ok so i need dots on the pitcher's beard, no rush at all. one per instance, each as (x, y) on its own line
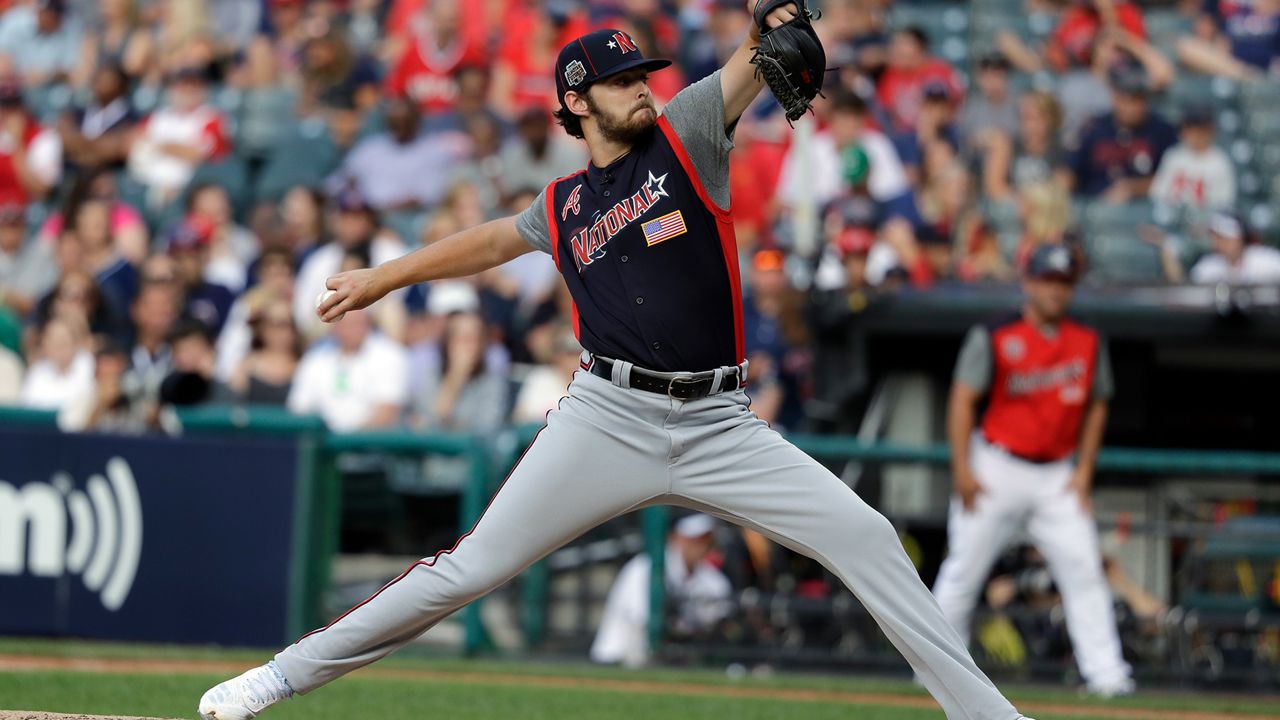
(627, 130)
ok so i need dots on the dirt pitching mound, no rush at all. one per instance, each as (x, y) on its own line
(37, 715)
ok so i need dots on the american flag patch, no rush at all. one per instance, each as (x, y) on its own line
(665, 227)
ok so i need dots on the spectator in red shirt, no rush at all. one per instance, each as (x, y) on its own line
(531, 41)
(30, 155)
(436, 47)
(911, 68)
(1073, 42)
(178, 137)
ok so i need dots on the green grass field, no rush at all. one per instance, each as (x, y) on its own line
(167, 682)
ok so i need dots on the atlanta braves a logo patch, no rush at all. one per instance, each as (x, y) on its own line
(573, 202)
(574, 73)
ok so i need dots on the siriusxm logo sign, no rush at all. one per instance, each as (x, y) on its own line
(51, 529)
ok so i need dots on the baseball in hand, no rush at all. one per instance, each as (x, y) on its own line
(324, 295)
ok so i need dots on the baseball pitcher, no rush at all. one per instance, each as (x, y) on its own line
(657, 414)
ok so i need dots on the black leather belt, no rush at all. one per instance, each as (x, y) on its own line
(689, 386)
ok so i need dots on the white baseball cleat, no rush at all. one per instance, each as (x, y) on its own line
(1108, 691)
(243, 697)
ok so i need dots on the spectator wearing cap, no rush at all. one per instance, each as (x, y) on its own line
(936, 124)
(357, 381)
(177, 138)
(43, 41)
(1195, 174)
(535, 156)
(1238, 40)
(1119, 152)
(1033, 154)
(28, 270)
(356, 230)
(189, 245)
(1237, 257)
(97, 135)
(695, 588)
(30, 155)
(992, 110)
(387, 168)
(434, 49)
(910, 70)
(774, 336)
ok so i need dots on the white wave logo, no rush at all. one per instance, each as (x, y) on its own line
(105, 522)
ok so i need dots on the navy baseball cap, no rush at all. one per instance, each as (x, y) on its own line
(1053, 262)
(598, 55)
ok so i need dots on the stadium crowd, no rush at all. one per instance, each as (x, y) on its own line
(179, 177)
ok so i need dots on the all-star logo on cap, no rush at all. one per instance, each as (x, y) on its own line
(598, 55)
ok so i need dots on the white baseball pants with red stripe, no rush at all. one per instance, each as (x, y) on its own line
(609, 450)
(1022, 495)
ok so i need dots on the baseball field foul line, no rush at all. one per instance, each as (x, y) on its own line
(115, 666)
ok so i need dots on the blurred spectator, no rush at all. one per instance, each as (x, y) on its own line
(10, 377)
(471, 100)
(1120, 151)
(232, 247)
(556, 309)
(97, 135)
(1044, 210)
(1239, 40)
(189, 246)
(302, 210)
(697, 591)
(1237, 257)
(705, 51)
(30, 155)
(993, 109)
(62, 369)
(828, 155)
(191, 380)
(153, 314)
(910, 70)
(436, 47)
(273, 285)
(108, 406)
(453, 387)
(1032, 154)
(114, 275)
(775, 337)
(358, 382)
(355, 230)
(329, 64)
(119, 41)
(266, 373)
(543, 387)
(387, 168)
(77, 296)
(1195, 174)
(42, 39)
(175, 139)
(27, 269)
(958, 242)
(936, 124)
(235, 22)
(126, 226)
(535, 155)
(533, 34)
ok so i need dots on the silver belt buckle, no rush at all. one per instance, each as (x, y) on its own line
(689, 382)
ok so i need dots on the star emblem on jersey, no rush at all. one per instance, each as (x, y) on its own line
(590, 243)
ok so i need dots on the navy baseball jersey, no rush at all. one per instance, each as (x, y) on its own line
(646, 245)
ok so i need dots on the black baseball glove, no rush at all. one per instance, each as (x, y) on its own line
(790, 57)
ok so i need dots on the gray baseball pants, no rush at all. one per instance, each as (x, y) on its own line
(609, 450)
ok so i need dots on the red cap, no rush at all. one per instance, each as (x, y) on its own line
(193, 233)
(855, 241)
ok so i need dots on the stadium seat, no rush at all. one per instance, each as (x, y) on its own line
(1103, 217)
(1122, 257)
(305, 158)
(229, 173)
(265, 121)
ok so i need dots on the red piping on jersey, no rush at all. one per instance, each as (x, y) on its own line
(724, 227)
(553, 227)
(432, 561)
